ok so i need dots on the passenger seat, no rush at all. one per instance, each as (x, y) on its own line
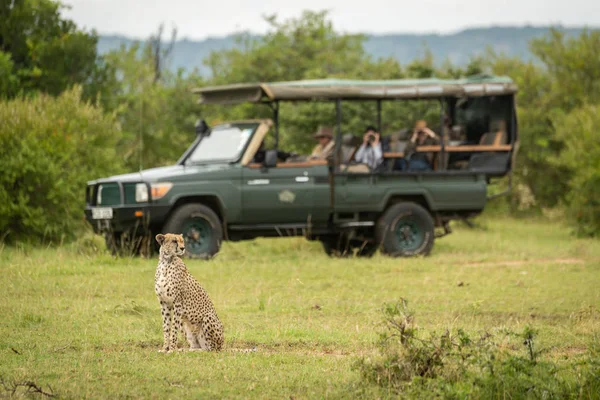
(491, 162)
(395, 143)
(349, 147)
(496, 136)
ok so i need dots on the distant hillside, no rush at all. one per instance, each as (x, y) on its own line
(458, 47)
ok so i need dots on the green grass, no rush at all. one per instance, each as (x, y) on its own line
(88, 325)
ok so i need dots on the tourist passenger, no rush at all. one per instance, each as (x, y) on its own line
(370, 151)
(326, 145)
(422, 136)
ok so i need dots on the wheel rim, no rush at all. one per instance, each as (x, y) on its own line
(410, 235)
(198, 234)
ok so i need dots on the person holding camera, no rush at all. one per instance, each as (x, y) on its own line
(422, 136)
(370, 151)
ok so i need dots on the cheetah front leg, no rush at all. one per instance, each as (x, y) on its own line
(175, 327)
(166, 317)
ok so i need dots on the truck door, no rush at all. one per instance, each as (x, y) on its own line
(284, 194)
(354, 190)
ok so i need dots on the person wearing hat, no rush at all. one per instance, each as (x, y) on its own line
(326, 144)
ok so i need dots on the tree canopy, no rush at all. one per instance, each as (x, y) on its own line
(41, 51)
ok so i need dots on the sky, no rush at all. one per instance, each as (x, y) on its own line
(198, 19)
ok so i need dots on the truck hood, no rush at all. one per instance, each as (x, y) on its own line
(173, 173)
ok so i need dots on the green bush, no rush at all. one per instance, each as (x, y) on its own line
(50, 148)
(457, 365)
(8, 81)
(581, 154)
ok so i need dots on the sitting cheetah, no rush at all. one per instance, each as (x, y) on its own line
(183, 299)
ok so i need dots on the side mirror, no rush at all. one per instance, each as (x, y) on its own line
(270, 159)
(201, 127)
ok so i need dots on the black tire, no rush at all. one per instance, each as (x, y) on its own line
(201, 229)
(405, 230)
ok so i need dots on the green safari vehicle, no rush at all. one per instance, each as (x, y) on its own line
(217, 191)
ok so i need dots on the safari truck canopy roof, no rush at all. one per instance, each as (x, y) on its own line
(344, 89)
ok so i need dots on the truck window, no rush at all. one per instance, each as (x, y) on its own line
(222, 143)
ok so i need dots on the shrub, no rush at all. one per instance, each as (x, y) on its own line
(581, 154)
(454, 364)
(8, 81)
(50, 148)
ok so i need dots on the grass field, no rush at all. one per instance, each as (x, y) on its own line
(86, 325)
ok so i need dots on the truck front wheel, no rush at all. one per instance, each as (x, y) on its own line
(405, 230)
(201, 229)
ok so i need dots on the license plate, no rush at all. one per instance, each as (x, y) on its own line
(102, 213)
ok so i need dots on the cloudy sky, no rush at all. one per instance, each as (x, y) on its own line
(197, 19)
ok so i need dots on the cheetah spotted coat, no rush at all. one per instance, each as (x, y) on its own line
(185, 304)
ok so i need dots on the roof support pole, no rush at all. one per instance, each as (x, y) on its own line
(379, 116)
(338, 138)
(442, 136)
(276, 120)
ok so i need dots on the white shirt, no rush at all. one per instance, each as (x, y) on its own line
(371, 155)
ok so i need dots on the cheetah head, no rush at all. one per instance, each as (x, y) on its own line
(171, 244)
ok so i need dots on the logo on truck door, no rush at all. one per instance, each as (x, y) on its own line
(286, 196)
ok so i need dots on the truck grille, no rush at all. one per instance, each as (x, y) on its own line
(109, 194)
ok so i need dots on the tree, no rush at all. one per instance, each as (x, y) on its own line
(8, 80)
(574, 66)
(49, 53)
(578, 130)
(557, 109)
(160, 54)
(299, 48)
(568, 78)
(155, 107)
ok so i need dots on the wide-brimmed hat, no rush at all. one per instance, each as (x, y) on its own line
(420, 124)
(323, 131)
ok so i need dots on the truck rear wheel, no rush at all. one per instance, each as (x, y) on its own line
(201, 229)
(405, 230)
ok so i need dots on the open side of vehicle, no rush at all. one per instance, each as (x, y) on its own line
(219, 191)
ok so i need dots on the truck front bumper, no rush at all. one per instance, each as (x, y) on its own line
(127, 218)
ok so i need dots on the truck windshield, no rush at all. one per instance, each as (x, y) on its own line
(222, 143)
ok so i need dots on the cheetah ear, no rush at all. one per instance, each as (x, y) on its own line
(160, 238)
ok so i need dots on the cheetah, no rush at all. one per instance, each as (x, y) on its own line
(184, 300)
